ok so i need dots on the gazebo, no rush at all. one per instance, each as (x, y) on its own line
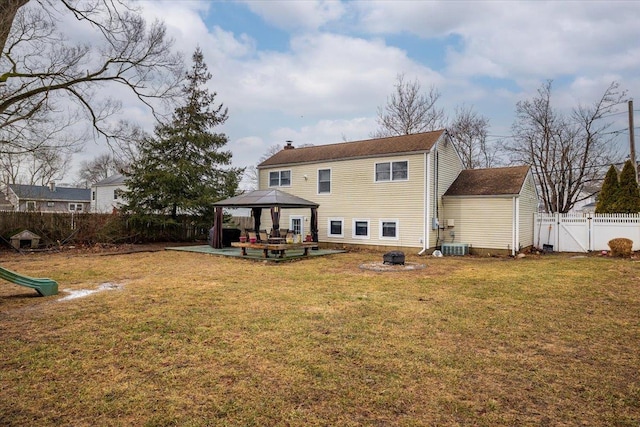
(257, 200)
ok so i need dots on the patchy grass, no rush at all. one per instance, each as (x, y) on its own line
(195, 340)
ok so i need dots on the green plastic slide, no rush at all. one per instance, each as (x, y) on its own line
(44, 287)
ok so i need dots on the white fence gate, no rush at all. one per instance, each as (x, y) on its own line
(584, 232)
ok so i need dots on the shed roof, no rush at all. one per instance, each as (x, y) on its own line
(489, 182)
(266, 199)
(38, 192)
(419, 142)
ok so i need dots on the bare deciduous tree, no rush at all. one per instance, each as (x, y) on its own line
(251, 173)
(409, 110)
(469, 134)
(36, 167)
(43, 74)
(100, 167)
(565, 152)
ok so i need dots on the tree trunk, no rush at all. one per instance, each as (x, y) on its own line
(8, 10)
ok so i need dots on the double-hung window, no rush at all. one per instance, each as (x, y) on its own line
(392, 171)
(360, 229)
(280, 178)
(324, 181)
(336, 227)
(389, 229)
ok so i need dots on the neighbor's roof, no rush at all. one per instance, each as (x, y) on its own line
(267, 199)
(37, 192)
(419, 142)
(117, 179)
(489, 182)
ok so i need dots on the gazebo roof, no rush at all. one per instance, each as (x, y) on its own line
(266, 199)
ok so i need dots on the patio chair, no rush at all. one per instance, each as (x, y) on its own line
(263, 236)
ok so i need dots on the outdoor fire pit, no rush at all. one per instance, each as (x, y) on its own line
(393, 258)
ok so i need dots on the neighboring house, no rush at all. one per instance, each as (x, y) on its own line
(588, 200)
(49, 198)
(107, 195)
(385, 192)
(491, 205)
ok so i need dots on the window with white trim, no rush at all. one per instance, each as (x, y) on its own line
(335, 227)
(77, 207)
(360, 229)
(392, 171)
(51, 204)
(280, 178)
(389, 229)
(324, 181)
(31, 205)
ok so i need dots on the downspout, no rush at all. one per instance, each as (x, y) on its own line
(514, 226)
(516, 247)
(427, 198)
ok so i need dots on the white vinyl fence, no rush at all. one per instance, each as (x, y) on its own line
(584, 232)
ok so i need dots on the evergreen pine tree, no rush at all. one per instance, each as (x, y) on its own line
(180, 167)
(609, 192)
(628, 195)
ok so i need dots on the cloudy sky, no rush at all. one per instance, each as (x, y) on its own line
(315, 71)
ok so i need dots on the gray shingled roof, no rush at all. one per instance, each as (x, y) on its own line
(117, 179)
(419, 142)
(489, 182)
(267, 199)
(37, 192)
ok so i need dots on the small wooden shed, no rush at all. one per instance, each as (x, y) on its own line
(25, 237)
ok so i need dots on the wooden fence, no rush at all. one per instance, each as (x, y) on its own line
(90, 228)
(584, 232)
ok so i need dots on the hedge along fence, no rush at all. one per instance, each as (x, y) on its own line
(91, 228)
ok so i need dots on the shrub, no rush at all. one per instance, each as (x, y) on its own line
(620, 247)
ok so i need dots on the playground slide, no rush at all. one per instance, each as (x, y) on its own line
(44, 287)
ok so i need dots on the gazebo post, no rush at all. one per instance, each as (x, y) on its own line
(314, 224)
(275, 220)
(216, 242)
(257, 213)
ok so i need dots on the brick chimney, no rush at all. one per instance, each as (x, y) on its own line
(52, 186)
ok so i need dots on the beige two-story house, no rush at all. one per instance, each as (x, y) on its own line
(388, 193)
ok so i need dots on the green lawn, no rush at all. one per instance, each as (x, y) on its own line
(198, 340)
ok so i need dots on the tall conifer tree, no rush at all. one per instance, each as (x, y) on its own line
(182, 167)
(628, 196)
(609, 192)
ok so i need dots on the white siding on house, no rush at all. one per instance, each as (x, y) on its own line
(447, 165)
(103, 200)
(356, 194)
(482, 222)
(528, 203)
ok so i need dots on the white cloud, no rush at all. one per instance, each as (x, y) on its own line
(298, 15)
(323, 75)
(501, 39)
